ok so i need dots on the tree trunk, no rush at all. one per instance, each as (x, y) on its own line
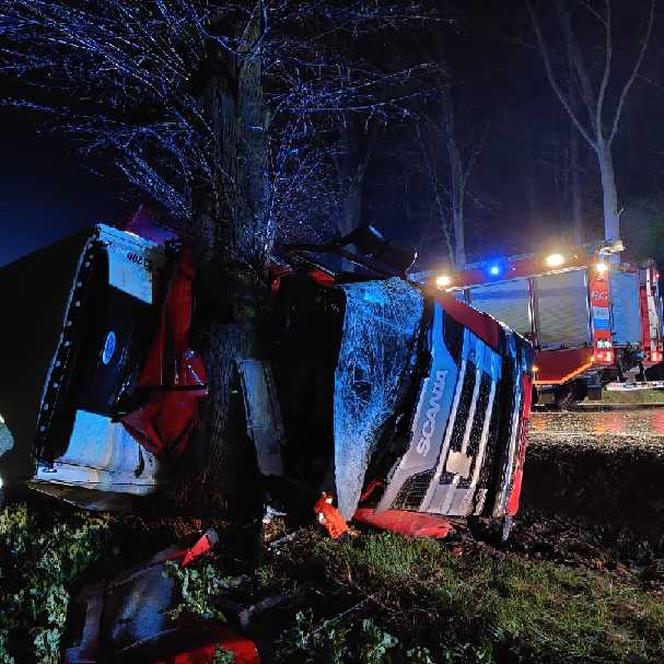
(458, 223)
(575, 182)
(609, 192)
(232, 287)
(457, 180)
(351, 204)
(351, 164)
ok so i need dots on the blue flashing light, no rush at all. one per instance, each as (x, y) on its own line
(494, 270)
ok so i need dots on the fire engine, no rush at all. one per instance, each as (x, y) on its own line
(595, 322)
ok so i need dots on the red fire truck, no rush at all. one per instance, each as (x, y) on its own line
(595, 323)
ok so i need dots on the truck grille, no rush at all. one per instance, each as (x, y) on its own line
(461, 453)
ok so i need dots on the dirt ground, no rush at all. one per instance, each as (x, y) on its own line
(602, 466)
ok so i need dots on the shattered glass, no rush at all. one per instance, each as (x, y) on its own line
(377, 354)
(6, 440)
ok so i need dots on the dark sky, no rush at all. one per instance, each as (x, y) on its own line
(46, 192)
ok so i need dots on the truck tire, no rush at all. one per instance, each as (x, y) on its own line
(570, 394)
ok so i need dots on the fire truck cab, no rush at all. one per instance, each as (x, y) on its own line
(594, 323)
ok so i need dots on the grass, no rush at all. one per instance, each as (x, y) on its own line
(40, 558)
(489, 606)
(636, 398)
(372, 598)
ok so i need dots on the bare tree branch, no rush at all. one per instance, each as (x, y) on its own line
(607, 71)
(577, 62)
(546, 58)
(635, 71)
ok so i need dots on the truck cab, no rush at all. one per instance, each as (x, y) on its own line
(410, 407)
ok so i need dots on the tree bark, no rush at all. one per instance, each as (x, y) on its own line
(458, 223)
(351, 166)
(575, 186)
(351, 208)
(609, 192)
(232, 286)
(457, 179)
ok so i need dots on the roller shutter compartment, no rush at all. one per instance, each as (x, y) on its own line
(508, 302)
(562, 310)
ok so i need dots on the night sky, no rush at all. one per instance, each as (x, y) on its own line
(46, 192)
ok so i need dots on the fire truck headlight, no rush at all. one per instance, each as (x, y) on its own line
(555, 260)
(443, 281)
(602, 267)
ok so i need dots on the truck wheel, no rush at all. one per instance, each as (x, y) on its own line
(493, 531)
(570, 394)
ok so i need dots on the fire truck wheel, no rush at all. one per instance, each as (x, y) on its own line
(569, 394)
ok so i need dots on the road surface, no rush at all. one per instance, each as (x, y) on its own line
(619, 426)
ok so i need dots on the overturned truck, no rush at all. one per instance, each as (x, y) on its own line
(410, 409)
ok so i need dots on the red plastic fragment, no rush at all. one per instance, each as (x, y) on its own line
(244, 649)
(411, 524)
(173, 374)
(202, 547)
(330, 517)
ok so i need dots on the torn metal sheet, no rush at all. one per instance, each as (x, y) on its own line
(133, 262)
(129, 619)
(102, 455)
(263, 413)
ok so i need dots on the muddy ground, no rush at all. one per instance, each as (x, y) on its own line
(602, 466)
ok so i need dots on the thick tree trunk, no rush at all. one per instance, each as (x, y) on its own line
(351, 207)
(232, 286)
(609, 192)
(457, 181)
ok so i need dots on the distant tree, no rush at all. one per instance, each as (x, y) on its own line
(351, 156)
(210, 109)
(451, 138)
(449, 167)
(594, 111)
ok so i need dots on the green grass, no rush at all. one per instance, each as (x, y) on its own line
(40, 557)
(492, 607)
(638, 398)
(373, 598)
